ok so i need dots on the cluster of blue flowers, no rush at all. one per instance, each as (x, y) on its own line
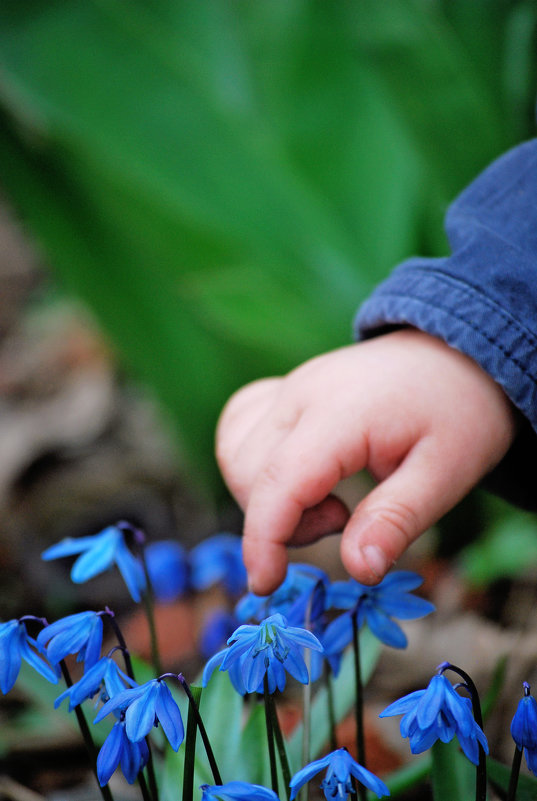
(266, 640)
(172, 570)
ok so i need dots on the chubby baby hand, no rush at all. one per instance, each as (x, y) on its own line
(425, 420)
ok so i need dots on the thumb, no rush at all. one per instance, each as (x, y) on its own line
(395, 513)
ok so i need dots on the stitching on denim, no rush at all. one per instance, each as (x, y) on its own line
(474, 327)
(484, 299)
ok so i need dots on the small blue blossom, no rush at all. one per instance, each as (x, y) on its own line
(97, 554)
(104, 673)
(16, 645)
(237, 791)
(167, 565)
(375, 606)
(80, 634)
(218, 560)
(338, 781)
(217, 629)
(301, 595)
(524, 728)
(270, 648)
(438, 713)
(144, 707)
(116, 750)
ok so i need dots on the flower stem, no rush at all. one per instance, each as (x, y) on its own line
(280, 744)
(359, 703)
(105, 791)
(327, 675)
(270, 737)
(193, 706)
(481, 771)
(190, 748)
(515, 770)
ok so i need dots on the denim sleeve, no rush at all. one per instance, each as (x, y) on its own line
(482, 299)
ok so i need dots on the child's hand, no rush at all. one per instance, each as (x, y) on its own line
(424, 419)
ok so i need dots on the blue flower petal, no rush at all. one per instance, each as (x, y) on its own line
(131, 571)
(68, 547)
(98, 558)
(237, 791)
(10, 654)
(110, 753)
(169, 716)
(140, 716)
(167, 565)
(383, 627)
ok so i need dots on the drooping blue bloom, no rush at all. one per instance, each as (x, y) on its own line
(438, 713)
(524, 728)
(218, 560)
(217, 629)
(237, 791)
(16, 645)
(167, 565)
(116, 750)
(80, 634)
(270, 648)
(300, 598)
(376, 606)
(104, 674)
(337, 783)
(98, 553)
(144, 707)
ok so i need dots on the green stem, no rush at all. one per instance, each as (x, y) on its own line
(330, 703)
(515, 771)
(149, 606)
(193, 707)
(270, 737)
(280, 744)
(105, 791)
(359, 703)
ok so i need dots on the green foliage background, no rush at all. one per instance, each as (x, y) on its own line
(223, 181)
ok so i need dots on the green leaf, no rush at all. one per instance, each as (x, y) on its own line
(453, 775)
(222, 183)
(343, 693)
(499, 776)
(506, 550)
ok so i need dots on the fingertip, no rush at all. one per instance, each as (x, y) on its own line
(266, 565)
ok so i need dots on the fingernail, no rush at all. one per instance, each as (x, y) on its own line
(375, 559)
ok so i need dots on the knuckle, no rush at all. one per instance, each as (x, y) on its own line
(402, 519)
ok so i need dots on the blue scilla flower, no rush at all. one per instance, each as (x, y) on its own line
(270, 648)
(337, 783)
(524, 728)
(217, 629)
(167, 565)
(80, 634)
(105, 675)
(16, 645)
(97, 554)
(237, 791)
(301, 596)
(143, 708)
(438, 713)
(376, 606)
(218, 560)
(116, 750)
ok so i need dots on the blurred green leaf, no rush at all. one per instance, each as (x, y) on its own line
(224, 182)
(499, 776)
(452, 774)
(507, 549)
